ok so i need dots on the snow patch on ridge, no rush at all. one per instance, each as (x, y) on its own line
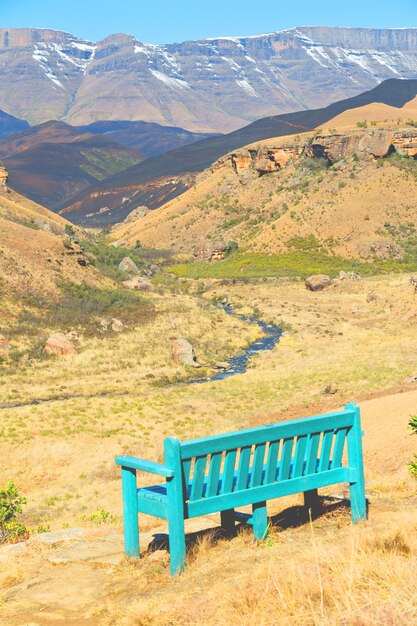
(41, 56)
(176, 83)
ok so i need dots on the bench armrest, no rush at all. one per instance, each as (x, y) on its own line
(144, 466)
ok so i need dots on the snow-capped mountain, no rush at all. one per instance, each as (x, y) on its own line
(208, 85)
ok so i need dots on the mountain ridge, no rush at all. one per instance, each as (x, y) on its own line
(213, 85)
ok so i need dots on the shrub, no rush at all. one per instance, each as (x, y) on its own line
(10, 507)
(413, 464)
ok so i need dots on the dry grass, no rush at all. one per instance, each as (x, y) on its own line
(123, 394)
(327, 574)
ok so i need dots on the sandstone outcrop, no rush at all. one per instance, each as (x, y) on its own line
(318, 282)
(332, 146)
(59, 345)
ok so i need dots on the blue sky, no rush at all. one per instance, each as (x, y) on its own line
(166, 21)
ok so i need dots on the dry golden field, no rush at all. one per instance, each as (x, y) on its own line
(122, 394)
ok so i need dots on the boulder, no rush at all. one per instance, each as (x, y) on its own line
(59, 345)
(348, 276)
(136, 214)
(222, 365)
(72, 335)
(117, 325)
(183, 353)
(4, 176)
(318, 282)
(127, 265)
(139, 282)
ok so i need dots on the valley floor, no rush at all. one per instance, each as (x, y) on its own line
(352, 342)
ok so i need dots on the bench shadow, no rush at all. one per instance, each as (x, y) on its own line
(292, 517)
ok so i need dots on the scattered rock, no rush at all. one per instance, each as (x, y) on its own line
(59, 345)
(4, 176)
(136, 214)
(58, 537)
(104, 325)
(117, 325)
(413, 281)
(72, 336)
(348, 276)
(183, 353)
(10, 551)
(330, 389)
(222, 365)
(139, 282)
(318, 282)
(127, 265)
(372, 297)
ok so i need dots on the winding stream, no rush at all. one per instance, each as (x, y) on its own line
(238, 363)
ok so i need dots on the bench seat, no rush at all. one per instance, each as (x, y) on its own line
(248, 467)
(158, 493)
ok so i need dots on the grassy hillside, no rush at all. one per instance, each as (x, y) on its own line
(309, 215)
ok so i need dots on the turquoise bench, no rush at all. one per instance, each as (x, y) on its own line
(247, 467)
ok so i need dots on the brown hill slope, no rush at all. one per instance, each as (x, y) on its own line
(350, 192)
(32, 252)
(53, 160)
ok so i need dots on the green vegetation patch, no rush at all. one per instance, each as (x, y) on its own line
(107, 257)
(300, 263)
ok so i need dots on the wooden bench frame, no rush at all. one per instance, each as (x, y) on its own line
(247, 467)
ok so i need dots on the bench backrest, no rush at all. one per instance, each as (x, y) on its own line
(239, 461)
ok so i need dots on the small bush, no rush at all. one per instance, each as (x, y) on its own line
(413, 464)
(10, 507)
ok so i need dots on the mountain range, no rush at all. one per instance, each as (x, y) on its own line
(213, 85)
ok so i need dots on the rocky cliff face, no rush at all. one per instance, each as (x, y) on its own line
(272, 157)
(209, 85)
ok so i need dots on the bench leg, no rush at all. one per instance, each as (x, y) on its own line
(176, 543)
(130, 512)
(259, 521)
(311, 502)
(227, 519)
(357, 502)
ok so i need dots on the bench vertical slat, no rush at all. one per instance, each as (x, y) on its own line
(257, 465)
(186, 469)
(272, 462)
(326, 447)
(197, 483)
(214, 474)
(300, 450)
(338, 448)
(243, 469)
(285, 461)
(311, 455)
(228, 471)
